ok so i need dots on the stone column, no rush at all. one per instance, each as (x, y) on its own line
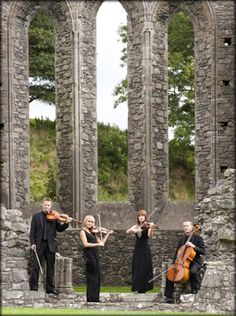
(63, 274)
(147, 69)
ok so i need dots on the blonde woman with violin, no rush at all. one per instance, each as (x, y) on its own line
(142, 270)
(91, 238)
(44, 244)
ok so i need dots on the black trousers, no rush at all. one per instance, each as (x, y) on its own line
(193, 279)
(43, 253)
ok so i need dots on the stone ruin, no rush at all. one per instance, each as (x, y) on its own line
(76, 121)
(217, 213)
(147, 72)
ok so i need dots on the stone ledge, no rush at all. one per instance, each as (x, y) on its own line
(131, 302)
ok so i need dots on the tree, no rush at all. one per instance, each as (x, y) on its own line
(42, 59)
(120, 90)
(181, 90)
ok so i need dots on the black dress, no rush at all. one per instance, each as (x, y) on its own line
(92, 265)
(142, 264)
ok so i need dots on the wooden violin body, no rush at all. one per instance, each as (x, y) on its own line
(148, 225)
(179, 271)
(98, 230)
(55, 216)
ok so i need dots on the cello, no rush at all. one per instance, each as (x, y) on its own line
(179, 271)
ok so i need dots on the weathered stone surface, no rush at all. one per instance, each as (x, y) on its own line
(75, 76)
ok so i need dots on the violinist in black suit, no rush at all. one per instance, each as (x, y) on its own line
(190, 239)
(43, 240)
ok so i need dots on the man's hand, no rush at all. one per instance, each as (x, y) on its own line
(33, 247)
(190, 244)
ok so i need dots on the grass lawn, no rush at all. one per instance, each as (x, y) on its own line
(70, 311)
(112, 289)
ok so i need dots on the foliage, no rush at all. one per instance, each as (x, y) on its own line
(42, 58)
(181, 77)
(120, 90)
(181, 171)
(42, 159)
(112, 163)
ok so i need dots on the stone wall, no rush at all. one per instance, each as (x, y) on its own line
(116, 256)
(76, 118)
(217, 215)
(15, 254)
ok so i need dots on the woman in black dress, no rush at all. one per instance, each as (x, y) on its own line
(91, 241)
(142, 260)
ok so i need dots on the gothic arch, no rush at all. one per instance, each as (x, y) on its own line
(75, 24)
(203, 20)
(20, 16)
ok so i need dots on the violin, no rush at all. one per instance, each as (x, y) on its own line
(148, 225)
(98, 230)
(55, 216)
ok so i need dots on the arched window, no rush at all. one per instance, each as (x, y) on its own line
(112, 122)
(41, 36)
(181, 107)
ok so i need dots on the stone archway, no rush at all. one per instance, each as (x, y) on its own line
(16, 117)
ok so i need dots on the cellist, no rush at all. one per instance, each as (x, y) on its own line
(188, 239)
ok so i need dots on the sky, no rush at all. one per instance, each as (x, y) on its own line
(109, 72)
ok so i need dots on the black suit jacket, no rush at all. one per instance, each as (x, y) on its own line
(36, 231)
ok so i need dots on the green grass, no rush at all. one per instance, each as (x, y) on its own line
(72, 311)
(112, 289)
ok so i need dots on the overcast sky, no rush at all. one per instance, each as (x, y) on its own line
(109, 72)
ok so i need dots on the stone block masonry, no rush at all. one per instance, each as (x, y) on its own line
(218, 285)
(76, 119)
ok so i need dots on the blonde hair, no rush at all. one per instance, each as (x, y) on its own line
(88, 217)
(141, 212)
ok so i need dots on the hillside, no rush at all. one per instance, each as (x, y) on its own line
(112, 153)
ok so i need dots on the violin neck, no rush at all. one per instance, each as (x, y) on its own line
(184, 246)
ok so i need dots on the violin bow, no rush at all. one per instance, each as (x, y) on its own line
(100, 226)
(157, 276)
(155, 209)
(37, 257)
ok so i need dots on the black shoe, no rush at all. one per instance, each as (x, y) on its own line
(34, 288)
(193, 291)
(141, 291)
(54, 291)
(168, 300)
